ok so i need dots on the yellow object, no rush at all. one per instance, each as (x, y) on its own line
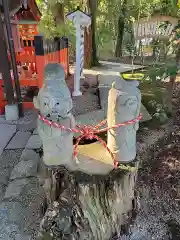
(134, 76)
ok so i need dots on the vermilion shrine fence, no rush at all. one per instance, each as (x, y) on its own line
(31, 61)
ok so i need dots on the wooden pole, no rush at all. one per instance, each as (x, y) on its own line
(5, 67)
(13, 56)
(77, 91)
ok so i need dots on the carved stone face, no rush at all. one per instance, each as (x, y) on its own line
(128, 102)
(127, 107)
(54, 105)
(54, 100)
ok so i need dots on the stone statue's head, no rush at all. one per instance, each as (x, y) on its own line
(54, 98)
(128, 101)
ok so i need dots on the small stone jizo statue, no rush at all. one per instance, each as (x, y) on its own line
(55, 104)
(124, 104)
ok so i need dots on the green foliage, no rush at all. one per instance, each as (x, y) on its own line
(159, 111)
(175, 41)
(156, 100)
(159, 72)
(47, 24)
(106, 21)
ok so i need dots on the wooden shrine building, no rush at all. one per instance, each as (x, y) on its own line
(33, 51)
(27, 19)
(24, 22)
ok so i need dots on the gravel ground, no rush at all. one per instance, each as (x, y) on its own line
(158, 186)
(8, 160)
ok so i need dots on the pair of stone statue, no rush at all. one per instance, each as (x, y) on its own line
(55, 104)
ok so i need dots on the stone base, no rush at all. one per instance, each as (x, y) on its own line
(76, 93)
(11, 112)
(82, 77)
(90, 119)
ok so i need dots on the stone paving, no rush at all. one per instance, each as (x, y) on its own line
(6, 133)
(20, 191)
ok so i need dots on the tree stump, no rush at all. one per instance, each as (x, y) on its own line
(87, 207)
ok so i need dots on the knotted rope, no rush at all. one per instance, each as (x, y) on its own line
(91, 132)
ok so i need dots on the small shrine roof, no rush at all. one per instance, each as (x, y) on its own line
(23, 9)
(29, 13)
(70, 15)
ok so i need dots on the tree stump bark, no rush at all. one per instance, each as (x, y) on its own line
(87, 207)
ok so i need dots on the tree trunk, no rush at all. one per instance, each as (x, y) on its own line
(87, 47)
(178, 55)
(92, 5)
(58, 12)
(118, 51)
(121, 26)
(173, 77)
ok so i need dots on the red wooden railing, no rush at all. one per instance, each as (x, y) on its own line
(32, 60)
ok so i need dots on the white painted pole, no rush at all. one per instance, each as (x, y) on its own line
(82, 51)
(77, 76)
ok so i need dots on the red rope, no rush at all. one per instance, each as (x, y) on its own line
(90, 132)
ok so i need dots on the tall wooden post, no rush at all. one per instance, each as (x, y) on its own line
(87, 47)
(13, 56)
(5, 67)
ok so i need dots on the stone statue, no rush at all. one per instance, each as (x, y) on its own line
(124, 104)
(54, 103)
